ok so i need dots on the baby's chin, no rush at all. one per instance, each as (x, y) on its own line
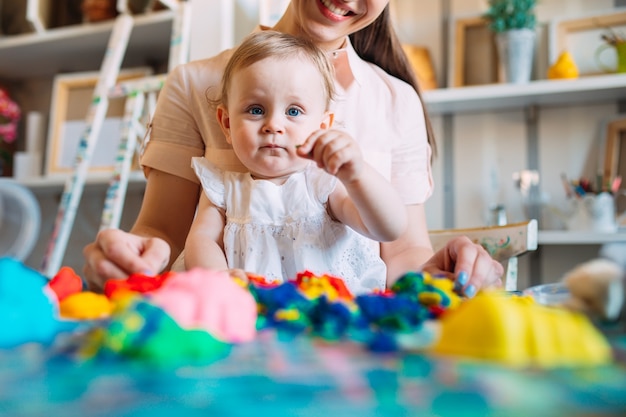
(276, 173)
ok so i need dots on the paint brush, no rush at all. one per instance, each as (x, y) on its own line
(569, 193)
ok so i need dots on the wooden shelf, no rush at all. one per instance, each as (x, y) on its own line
(82, 47)
(494, 97)
(563, 237)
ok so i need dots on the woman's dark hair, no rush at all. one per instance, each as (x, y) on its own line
(378, 43)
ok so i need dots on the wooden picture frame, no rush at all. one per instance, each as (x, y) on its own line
(473, 57)
(585, 33)
(615, 157)
(71, 98)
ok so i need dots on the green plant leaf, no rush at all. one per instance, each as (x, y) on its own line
(505, 15)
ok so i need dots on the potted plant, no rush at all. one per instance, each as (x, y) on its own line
(513, 22)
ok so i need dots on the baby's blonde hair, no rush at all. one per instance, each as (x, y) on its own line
(269, 43)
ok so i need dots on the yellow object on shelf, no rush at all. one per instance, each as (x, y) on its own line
(421, 62)
(564, 67)
(516, 331)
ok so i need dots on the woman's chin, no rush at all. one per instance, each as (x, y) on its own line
(328, 13)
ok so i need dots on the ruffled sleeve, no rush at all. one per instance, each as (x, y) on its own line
(320, 183)
(211, 178)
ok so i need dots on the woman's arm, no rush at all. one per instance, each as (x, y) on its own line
(155, 240)
(167, 211)
(461, 259)
(204, 246)
(411, 250)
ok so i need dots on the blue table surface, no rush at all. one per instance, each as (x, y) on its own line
(279, 375)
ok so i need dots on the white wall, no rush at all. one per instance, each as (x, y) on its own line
(221, 24)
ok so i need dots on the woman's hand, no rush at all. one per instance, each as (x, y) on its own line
(468, 264)
(116, 254)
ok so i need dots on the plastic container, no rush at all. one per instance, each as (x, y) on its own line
(20, 220)
(548, 294)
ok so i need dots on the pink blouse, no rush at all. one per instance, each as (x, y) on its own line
(381, 112)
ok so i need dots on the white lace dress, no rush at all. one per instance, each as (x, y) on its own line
(279, 230)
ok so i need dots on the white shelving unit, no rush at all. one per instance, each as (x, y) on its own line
(81, 47)
(563, 237)
(494, 97)
(57, 183)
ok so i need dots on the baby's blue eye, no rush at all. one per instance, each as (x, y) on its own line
(293, 111)
(255, 110)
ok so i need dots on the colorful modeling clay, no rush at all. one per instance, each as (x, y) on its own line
(437, 293)
(65, 282)
(28, 308)
(332, 288)
(516, 331)
(140, 330)
(85, 306)
(322, 306)
(396, 313)
(209, 300)
(136, 283)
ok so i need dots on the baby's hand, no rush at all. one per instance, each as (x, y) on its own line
(239, 275)
(335, 152)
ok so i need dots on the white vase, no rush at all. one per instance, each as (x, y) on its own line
(516, 50)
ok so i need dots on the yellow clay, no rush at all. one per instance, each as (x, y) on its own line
(445, 285)
(518, 332)
(85, 306)
(315, 287)
(291, 314)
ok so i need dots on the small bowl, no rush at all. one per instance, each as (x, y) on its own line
(548, 294)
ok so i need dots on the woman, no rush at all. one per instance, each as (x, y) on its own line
(379, 105)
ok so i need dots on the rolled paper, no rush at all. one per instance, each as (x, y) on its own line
(35, 132)
(26, 165)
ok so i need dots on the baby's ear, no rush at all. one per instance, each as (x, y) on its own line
(224, 121)
(327, 122)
